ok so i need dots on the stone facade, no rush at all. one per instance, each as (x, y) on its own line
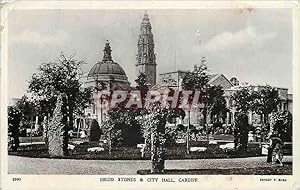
(174, 80)
(220, 79)
(254, 119)
(105, 74)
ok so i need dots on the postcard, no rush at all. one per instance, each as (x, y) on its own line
(150, 95)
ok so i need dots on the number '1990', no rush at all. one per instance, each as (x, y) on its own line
(16, 179)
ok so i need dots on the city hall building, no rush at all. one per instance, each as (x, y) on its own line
(110, 75)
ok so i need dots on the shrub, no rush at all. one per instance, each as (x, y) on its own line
(131, 134)
(216, 127)
(180, 127)
(116, 138)
(241, 132)
(14, 118)
(170, 137)
(95, 131)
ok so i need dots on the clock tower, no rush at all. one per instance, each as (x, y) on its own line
(146, 58)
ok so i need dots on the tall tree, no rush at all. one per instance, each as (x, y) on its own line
(243, 101)
(27, 110)
(197, 79)
(141, 82)
(60, 77)
(265, 102)
(216, 102)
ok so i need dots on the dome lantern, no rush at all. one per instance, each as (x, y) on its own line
(107, 52)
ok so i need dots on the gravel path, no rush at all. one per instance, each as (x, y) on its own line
(24, 165)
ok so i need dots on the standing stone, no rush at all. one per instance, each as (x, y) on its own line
(158, 147)
(58, 130)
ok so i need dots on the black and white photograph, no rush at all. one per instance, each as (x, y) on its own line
(147, 91)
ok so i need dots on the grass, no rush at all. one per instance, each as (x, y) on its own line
(29, 139)
(133, 153)
(286, 169)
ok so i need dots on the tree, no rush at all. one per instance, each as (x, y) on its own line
(141, 82)
(27, 110)
(60, 77)
(281, 125)
(243, 103)
(216, 102)
(280, 132)
(14, 118)
(243, 100)
(241, 130)
(122, 127)
(45, 124)
(265, 102)
(197, 79)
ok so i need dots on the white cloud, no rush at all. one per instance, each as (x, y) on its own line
(37, 38)
(231, 40)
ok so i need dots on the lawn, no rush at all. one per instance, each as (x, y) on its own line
(31, 139)
(133, 153)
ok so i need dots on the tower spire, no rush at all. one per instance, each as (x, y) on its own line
(146, 20)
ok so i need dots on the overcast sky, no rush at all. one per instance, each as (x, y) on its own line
(253, 45)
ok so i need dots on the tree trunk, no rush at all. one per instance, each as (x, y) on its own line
(205, 120)
(71, 118)
(241, 132)
(45, 130)
(109, 142)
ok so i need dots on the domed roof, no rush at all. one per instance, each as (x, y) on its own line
(107, 66)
